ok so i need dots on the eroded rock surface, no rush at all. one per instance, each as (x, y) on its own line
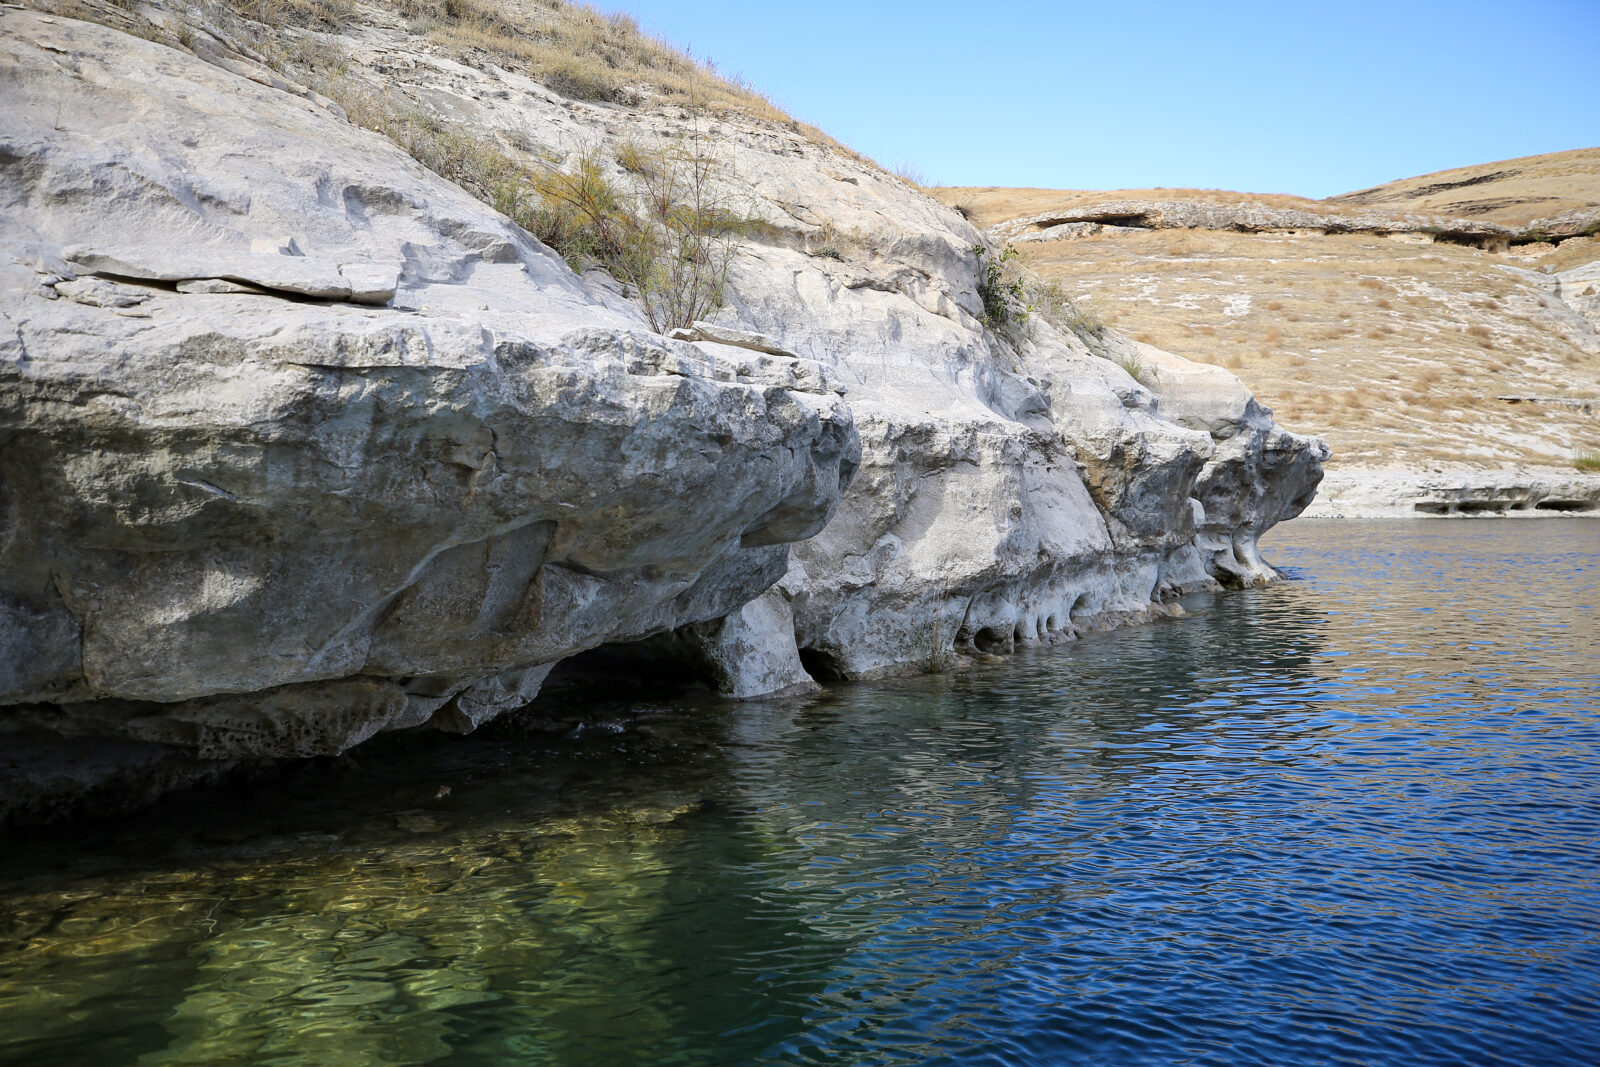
(246, 524)
(1242, 217)
(300, 443)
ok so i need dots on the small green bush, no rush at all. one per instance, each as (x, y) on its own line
(671, 239)
(1014, 296)
(1000, 287)
(1133, 365)
(1587, 461)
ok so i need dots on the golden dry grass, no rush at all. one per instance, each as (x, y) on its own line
(1405, 345)
(1394, 352)
(1512, 192)
(573, 48)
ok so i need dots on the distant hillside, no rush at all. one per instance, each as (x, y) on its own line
(1395, 321)
(1513, 192)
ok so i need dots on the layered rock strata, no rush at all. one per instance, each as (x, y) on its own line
(1249, 217)
(1400, 493)
(300, 443)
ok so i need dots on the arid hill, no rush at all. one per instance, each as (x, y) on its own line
(1438, 320)
(1513, 192)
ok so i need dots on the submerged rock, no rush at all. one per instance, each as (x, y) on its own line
(267, 495)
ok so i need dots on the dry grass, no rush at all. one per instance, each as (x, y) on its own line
(573, 48)
(664, 231)
(585, 54)
(1516, 191)
(1379, 327)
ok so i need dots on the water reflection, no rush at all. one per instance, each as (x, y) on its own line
(1347, 819)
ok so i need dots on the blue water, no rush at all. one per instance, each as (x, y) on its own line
(1351, 818)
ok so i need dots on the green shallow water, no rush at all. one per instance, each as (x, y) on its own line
(1350, 818)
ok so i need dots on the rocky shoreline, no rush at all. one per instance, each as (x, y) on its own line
(1446, 492)
(300, 443)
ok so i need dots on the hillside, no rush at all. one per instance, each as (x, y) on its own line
(1412, 325)
(1513, 192)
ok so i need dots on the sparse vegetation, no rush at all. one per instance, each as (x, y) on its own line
(1587, 461)
(910, 174)
(825, 242)
(635, 160)
(572, 48)
(1344, 334)
(1050, 302)
(667, 234)
(1000, 287)
(938, 649)
(670, 240)
(1133, 365)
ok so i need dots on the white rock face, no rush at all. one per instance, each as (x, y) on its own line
(245, 524)
(326, 447)
(753, 652)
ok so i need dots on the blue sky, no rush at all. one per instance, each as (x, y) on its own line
(1314, 99)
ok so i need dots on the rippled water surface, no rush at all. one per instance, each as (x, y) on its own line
(1353, 818)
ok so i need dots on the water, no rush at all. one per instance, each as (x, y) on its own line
(1353, 818)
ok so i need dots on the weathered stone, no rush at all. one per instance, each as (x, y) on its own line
(1398, 492)
(752, 652)
(264, 525)
(1244, 217)
(99, 293)
(363, 283)
(215, 286)
(249, 526)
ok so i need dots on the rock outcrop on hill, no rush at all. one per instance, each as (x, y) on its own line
(300, 443)
(1242, 217)
(1245, 216)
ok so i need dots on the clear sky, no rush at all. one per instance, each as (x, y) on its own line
(1308, 98)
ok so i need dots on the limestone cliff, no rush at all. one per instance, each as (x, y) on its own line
(300, 442)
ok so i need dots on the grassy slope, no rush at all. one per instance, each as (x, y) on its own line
(1513, 192)
(1394, 350)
